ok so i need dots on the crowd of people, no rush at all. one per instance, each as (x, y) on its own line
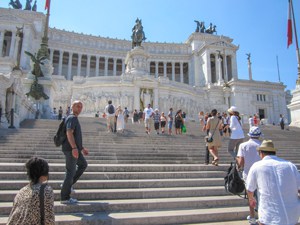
(272, 183)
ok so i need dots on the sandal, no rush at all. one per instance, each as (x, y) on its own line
(215, 162)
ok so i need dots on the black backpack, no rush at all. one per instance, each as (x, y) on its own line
(111, 109)
(61, 134)
(234, 184)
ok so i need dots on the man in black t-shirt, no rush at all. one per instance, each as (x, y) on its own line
(73, 151)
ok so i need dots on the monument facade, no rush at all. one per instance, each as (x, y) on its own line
(198, 75)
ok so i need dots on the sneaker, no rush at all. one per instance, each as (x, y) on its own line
(251, 220)
(69, 201)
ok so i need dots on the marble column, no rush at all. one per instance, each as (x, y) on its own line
(61, 54)
(51, 55)
(173, 71)
(165, 69)
(208, 68)
(1, 41)
(97, 66)
(123, 66)
(196, 69)
(115, 67)
(88, 66)
(181, 72)
(17, 42)
(156, 69)
(79, 65)
(12, 45)
(106, 66)
(225, 67)
(220, 79)
(137, 97)
(155, 97)
(70, 66)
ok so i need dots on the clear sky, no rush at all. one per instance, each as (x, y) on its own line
(258, 27)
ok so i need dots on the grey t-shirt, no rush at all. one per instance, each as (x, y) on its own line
(72, 122)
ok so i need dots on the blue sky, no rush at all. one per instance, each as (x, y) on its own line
(258, 27)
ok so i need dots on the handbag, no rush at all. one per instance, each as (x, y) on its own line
(183, 129)
(210, 139)
(42, 206)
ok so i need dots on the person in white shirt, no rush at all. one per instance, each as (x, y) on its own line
(246, 157)
(277, 182)
(251, 122)
(148, 113)
(237, 133)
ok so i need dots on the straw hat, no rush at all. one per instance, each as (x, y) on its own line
(232, 109)
(254, 132)
(267, 146)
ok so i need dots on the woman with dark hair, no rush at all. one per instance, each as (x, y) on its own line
(214, 125)
(178, 122)
(34, 203)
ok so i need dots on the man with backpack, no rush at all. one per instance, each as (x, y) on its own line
(73, 150)
(110, 116)
(277, 182)
(246, 157)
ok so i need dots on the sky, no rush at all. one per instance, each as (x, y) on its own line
(258, 27)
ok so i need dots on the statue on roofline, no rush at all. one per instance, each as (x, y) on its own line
(15, 4)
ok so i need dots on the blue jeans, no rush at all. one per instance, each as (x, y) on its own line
(74, 169)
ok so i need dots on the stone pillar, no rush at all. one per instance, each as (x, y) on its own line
(173, 71)
(156, 69)
(234, 67)
(197, 70)
(181, 72)
(1, 41)
(123, 66)
(70, 66)
(225, 66)
(79, 65)
(220, 79)
(17, 42)
(61, 54)
(165, 69)
(12, 45)
(106, 66)
(88, 66)
(51, 55)
(97, 66)
(115, 67)
(208, 68)
(249, 70)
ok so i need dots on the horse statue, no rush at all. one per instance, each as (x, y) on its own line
(15, 4)
(28, 5)
(211, 29)
(138, 35)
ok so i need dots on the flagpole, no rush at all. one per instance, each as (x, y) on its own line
(297, 47)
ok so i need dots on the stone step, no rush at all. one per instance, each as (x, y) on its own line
(123, 175)
(121, 205)
(158, 217)
(112, 184)
(132, 193)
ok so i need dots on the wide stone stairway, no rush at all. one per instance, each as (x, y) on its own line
(133, 178)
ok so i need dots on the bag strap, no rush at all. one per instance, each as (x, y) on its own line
(42, 205)
(215, 128)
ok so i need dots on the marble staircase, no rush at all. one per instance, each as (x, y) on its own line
(133, 178)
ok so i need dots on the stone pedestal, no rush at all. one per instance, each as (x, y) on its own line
(295, 107)
(136, 62)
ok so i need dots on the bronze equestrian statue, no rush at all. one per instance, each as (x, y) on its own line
(138, 35)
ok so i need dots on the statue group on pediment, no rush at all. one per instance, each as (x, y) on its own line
(201, 28)
(16, 4)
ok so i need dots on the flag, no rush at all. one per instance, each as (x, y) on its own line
(289, 27)
(47, 5)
